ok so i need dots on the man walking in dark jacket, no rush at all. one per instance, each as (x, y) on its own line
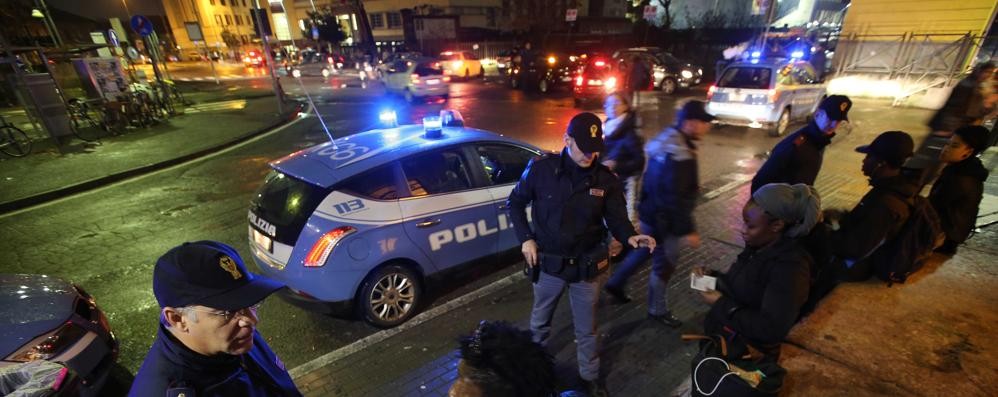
(797, 158)
(956, 195)
(668, 198)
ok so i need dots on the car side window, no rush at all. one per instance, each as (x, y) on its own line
(379, 184)
(504, 163)
(436, 172)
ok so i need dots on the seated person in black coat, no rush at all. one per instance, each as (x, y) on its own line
(759, 298)
(956, 195)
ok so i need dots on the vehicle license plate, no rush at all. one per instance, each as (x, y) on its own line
(263, 241)
(433, 81)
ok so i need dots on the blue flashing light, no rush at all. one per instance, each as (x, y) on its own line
(756, 54)
(754, 61)
(797, 54)
(388, 118)
(432, 127)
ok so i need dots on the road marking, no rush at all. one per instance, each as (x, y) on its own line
(420, 318)
(235, 104)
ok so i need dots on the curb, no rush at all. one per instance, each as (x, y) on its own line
(80, 187)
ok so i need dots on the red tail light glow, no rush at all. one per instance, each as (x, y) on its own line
(710, 91)
(600, 63)
(320, 251)
(578, 80)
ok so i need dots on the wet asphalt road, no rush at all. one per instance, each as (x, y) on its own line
(107, 240)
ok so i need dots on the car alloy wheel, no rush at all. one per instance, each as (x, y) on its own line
(390, 296)
(668, 86)
(782, 124)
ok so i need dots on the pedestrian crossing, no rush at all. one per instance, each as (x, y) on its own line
(235, 104)
(227, 77)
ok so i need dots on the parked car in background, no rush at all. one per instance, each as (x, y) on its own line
(767, 93)
(47, 318)
(254, 58)
(597, 77)
(461, 64)
(668, 72)
(547, 71)
(382, 68)
(374, 221)
(417, 78)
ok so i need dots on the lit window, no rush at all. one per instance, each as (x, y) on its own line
(377, 21)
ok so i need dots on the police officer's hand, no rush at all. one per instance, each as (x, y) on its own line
(529, 249)
(700, 271)
(692, 240)
(641, 240)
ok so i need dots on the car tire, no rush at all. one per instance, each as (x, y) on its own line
(389, 296)
(542, 86)
(668, 86)
(782, 124)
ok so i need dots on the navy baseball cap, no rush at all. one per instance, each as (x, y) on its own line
(836, 107)
(587, 130)
(208, 273)
(894, 147)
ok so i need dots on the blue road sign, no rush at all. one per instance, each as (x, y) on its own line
(114, 37)
(141, 25)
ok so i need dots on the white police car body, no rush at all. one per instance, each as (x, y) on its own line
(365, 221)
(765, 93)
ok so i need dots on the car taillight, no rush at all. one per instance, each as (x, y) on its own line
(610, 84)
(579, 80)
(414, 77)
(600, 63)
(710, 91)
(446, 78)
(67, 335)
(774, 95)
(322, 248)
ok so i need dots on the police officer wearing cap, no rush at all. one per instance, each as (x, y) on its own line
(207, 344)
(797, 158)
(574, 200)
(665, 210)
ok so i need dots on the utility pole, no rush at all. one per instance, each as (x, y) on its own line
(270, 57)
(197, 17)
(50, 23)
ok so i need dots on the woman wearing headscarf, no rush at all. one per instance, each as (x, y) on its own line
(759, 298)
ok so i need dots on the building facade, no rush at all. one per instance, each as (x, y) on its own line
(226, 26)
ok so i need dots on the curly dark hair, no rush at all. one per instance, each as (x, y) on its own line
(505, 361)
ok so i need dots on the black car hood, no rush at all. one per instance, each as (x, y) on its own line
(31, 305)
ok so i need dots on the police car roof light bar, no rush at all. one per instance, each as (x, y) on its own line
(451, 118)
(388, 118)
(432, 127)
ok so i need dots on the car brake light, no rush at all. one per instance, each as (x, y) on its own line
(710, 91)
(773, 95)
(320, 251)
(415, 78)
(610, 84)
(600, 63)
(578, 80)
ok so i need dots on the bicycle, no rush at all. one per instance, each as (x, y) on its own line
(13, 141)
(84, 125)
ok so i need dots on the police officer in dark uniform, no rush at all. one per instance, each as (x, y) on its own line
(797, 158)
(575, 199)
(207, 343)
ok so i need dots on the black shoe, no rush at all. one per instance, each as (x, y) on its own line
(668, 319)
(595, 388)
(618, 294)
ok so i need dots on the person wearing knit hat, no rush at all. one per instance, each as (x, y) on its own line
(760, 296)
(956, 195)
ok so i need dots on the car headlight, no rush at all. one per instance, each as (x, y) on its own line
(659, 75)
(66, 336)
(686, 74)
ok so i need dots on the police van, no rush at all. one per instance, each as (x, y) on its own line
(765, 93)
(364, 220)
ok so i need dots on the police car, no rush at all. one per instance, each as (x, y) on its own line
(765, 93)
(364, 221)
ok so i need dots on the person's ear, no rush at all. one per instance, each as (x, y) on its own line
(777, 225)
(175, 319)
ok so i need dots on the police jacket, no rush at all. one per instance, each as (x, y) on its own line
(625, 147)
(670, 184)
(956, 196)
(171, 365)
(876, 219)
(570, 205)
(762, 294)
(796, 159)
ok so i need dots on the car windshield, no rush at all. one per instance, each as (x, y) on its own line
(428, 69)
(745, 77)
(453, 56)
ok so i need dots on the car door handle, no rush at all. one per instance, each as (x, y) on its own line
(428, 222)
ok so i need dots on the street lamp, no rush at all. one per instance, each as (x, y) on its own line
(42, 11)
(37, 13)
